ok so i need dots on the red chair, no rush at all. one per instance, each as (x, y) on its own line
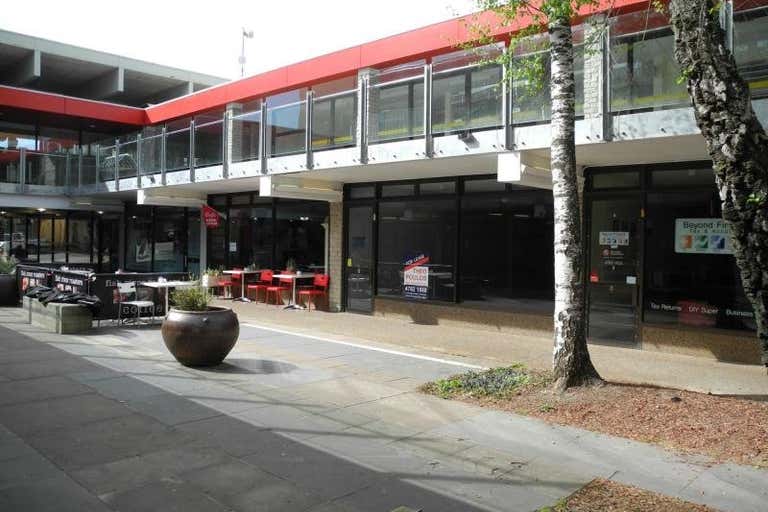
(265, 281)
(284, 284)
(319, 288)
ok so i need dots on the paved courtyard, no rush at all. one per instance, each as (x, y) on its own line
(109, 421)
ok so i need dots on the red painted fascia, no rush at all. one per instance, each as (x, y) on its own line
(66, 105)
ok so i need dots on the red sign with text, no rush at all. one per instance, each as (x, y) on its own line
(211, 217)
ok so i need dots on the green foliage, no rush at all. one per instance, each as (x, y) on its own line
(191, 299)
(495, 382)
(756, 198)
(7, 264)
(213, 272)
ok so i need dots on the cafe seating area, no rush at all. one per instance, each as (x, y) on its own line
(289, 288)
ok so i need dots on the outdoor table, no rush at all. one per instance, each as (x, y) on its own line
(242, 274)
(158, 285)
(294, 278)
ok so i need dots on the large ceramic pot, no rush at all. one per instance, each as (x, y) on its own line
(9, 294)
(200, 338)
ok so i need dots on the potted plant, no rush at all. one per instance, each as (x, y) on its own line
(210, 277)
(196, 333)
(9, 293)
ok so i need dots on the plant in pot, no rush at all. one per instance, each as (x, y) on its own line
(211, 277)
(9, 293)
(196, 333)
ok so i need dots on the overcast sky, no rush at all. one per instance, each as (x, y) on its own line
(205, 35)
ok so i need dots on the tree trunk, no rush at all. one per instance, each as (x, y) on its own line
(571, 363)
(735, 140)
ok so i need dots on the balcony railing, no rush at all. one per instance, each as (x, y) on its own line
(455, 94)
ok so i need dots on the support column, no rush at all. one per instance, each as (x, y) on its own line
(365, 110)
(233, 135)
(335, 246)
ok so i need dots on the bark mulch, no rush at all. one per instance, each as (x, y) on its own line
(608, 496)
(723, 428)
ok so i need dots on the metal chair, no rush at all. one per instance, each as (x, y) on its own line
(126, 290)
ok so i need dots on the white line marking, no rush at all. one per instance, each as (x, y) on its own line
(367, 347)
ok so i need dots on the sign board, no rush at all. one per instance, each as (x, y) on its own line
(702, 236)
(416, 277)
(614, 238)
(211, 217)
(164, 251)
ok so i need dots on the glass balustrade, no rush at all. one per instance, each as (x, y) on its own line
(334, 121)
(287, 129)
(750, 44)
(177, 147)
(151, 154)
(88, 170)
(107, 162)
(128, 157)
(245, 134)
(209, 143)
(397, 110)
(48, 169)
(10, 163)
(644, 74)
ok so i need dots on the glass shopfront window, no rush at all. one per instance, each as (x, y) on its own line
(417, 249)
(300, 234)
(169, 249)
(691, 277)
(506, 249)
(138, 239)
(750, 43)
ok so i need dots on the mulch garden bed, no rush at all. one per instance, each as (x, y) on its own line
(608, 496)
(723, 428)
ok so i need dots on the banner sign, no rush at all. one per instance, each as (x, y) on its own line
(28, 276)
(416, 277)
(702, 236)
(71, 281)
(211, 217)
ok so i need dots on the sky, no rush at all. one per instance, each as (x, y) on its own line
(205, 36)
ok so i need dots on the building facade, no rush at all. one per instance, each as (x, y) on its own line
(415, 176)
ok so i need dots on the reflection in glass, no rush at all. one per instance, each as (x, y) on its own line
(79, 238)
(287, 126)
(177, 150)
(750, 46)
(138, 239)
(334, 121)
(208, 144)
(246, 130)
(398, 111)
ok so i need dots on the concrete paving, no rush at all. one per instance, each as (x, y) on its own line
(109, 421)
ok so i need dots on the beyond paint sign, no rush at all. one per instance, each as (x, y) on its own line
(702, 236)
(416, 277)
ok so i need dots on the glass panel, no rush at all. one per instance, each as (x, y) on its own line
(442, 187)
(177, 150)
(47, 169)
(750, 44)
(128, 159)
(691, 277)
(10, 161)
(506, 250)
(262, 235)
(531, 98)
(287, 126)
(217, 241)
(643, 69)
(138, 239)
(46, 240)
(240, 244)
(106, 161)
(398, 111)
(151, 154)
(88, 170)
(59, 239)
(17, 136)
(464, 58)
(240, 199)
(208, 144)
(398, 190)
(359, 267)
(449, 102)
(417, 234)
(682, 177)
(108, 242)
(616, 180)
(486, 97)
(246, 130)
(79, 238)
(300, 234)
(334, 121)
(193, 241)
(363, 192)
(489, 185)
(170, 228)
(19, 239)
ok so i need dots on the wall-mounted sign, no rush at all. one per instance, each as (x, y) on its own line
(702, 236)
(614, 238)
(164, 251)
(211, 217)
(416, 276)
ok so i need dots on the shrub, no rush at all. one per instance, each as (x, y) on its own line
(191, 299)
(494, 382)
(7, 264)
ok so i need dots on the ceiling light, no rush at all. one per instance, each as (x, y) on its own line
(41, 210)
(100, 212)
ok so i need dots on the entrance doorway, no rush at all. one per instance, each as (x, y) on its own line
(614, 268)
(359, 264)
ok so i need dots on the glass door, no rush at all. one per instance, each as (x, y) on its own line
(359, 264)
(614, 239)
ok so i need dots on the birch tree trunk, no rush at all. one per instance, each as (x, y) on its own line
(571, 363)
(736, 142)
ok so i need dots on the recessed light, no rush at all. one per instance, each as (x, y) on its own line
(100, 212)
(41, 210)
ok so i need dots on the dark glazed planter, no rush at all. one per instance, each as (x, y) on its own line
(9, 295)
(200, 338)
